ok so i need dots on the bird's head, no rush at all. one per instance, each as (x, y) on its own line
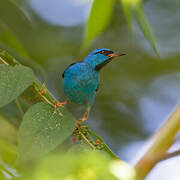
(100, 57)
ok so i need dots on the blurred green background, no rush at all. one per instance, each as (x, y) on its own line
(137, 92)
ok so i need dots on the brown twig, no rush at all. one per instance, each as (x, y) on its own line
(169, 155)
(162, 141)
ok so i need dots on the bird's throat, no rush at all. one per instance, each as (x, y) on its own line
(100, 66)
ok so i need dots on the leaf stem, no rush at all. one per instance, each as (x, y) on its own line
(3, 61)
(19, 107)
(107, 149)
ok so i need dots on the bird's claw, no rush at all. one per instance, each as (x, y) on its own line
(57, 105)
(84, 118)
(61, 103)
(81, 120)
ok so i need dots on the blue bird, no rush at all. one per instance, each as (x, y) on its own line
(81, 79)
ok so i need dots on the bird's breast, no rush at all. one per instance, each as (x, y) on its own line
(80, 85)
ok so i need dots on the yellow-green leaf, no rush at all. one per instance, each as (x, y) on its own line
(127, 7)
(145, 28)
(8, 152)
(135, 6)
(99, 18)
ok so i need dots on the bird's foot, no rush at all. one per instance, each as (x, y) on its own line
(62, 103)
(81, 120)
(57, 105)
(84, 119)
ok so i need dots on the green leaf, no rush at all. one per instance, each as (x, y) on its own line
(13, 81)
(99, 18)
(8, 152)
(42, 130)
(143, 23)
(7, 38)
(127, 8)
(130, 6)
(75, 166)
(8, 132)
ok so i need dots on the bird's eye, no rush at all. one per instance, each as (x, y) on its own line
(104, 52)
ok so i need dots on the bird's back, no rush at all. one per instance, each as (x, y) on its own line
(80, 83)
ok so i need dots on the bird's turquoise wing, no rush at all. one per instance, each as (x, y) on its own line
(80, 83)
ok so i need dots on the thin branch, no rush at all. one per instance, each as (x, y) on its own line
(87, 141)
(39, 92)
(3, 61)
(169, 155)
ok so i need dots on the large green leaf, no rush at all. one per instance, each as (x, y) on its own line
(13, 81)
(99, 18)
(42, 130)
(86, 165)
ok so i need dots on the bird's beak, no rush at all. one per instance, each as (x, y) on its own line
(112, 55)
